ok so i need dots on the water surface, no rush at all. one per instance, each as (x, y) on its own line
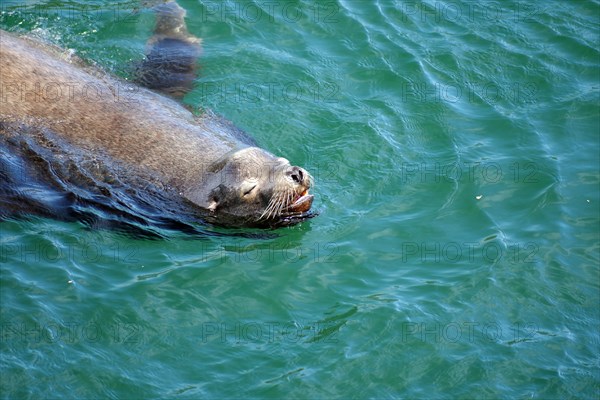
(455, 148)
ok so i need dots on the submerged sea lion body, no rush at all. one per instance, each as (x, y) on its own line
(170, 64)
(143, 136)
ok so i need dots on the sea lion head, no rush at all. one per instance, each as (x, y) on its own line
(251, 187)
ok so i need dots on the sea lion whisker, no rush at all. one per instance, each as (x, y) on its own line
(284, 201)
(269, 210)
(265, 213)
(278, 202)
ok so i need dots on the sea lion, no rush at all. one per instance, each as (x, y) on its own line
(145, 137)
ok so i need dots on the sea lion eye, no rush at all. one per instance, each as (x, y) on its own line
(247, 189)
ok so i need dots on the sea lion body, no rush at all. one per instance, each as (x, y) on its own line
(132, 124)
(205, 159)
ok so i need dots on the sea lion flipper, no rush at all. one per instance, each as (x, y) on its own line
(170, 64)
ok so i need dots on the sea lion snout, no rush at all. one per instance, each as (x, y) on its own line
(301, 181)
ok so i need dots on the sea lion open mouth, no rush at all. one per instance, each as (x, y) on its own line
(298, 211)
(302, 203)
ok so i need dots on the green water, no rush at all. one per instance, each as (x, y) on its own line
(455, 147)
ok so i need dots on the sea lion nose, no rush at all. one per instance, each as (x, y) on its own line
(296, 174)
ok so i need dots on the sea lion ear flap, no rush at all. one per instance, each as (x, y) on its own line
(203, 193)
